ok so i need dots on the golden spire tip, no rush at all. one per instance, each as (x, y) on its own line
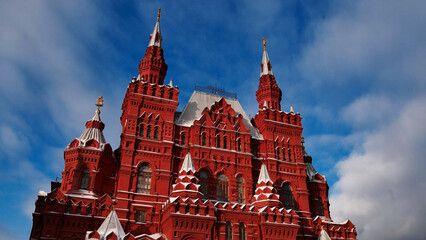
(100, 102)
(264, 43)
(158, 17)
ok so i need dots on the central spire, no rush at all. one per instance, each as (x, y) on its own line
(152, 67)
(268, 94)
(266, 67)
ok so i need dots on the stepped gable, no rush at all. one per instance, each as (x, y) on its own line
(199, 101)
(187, 184)
(265, 194)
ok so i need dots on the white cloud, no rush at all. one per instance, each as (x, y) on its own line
(382, 187)
(372, 53)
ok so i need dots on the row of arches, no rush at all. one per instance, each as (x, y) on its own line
(284, 154)
(148, 132)
(229, 231)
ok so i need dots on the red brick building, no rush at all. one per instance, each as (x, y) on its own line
(208, 172)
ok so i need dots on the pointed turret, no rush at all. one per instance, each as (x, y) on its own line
(266, 194)
(323, 235)
(268, 90)
(155, 37)
(153, 67)
(186, 183)
(291, 109)
(111, 226)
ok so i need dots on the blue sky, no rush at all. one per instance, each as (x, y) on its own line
(353, 69)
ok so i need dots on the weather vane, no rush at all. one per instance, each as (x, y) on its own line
(158, 17)
(264, 43)
(100, 102)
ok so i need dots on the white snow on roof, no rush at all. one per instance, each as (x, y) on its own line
(310, 171)
(264, 175)
(93, 133)
(188, 164)
(111, 224)
(154, 41)
(323, 235)
(199, 100)
(265, 61)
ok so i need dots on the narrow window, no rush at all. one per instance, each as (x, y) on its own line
(140, 216)
(228, 231)
(222, 188)
(218, 141)
(225, 142)
(156, 133)
(320, 207)
(288, 198)
(242, 231)
(278, 154)
(85, 179)
(284, 157)
(239, 145)
(148, 132)
(241, 190)
(141, 130)
(144, 179)
(203, 139)
(289, 156)
(204, 182)
(153, 92)
(182, 138)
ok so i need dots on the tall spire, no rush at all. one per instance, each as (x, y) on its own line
(153, 68)
(268, 91)
(266, 67)
(155, 37)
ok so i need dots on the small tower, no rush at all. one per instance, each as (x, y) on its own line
(186, 183)
(90, 167)
(268, 91)
(266, 194)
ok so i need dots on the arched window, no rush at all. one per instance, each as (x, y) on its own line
(278, 154)
(225, 142)
(289, 156)
(288, 197)
(141, 130)
(239, 145)
(85, 176)
(222, 188)
(144, 179)
(204, 182)
(241, 190)
(320, 207)
(156, 133)
(242, 231)
(153, 92)
(203, 139)
(182, 138)
(218, 141)
(228, 231)
(284, 157)
(148, 132)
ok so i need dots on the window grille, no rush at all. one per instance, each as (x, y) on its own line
(140, 216)
(222, 188)
(204, 182)
(241, 190)
(288, 198)
(85, 179)
(144, 179)
(228, 231)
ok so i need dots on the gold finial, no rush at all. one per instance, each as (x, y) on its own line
(158, 17)
(264, 44)
(100, 101)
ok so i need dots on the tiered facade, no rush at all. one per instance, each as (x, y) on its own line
(208, 172)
